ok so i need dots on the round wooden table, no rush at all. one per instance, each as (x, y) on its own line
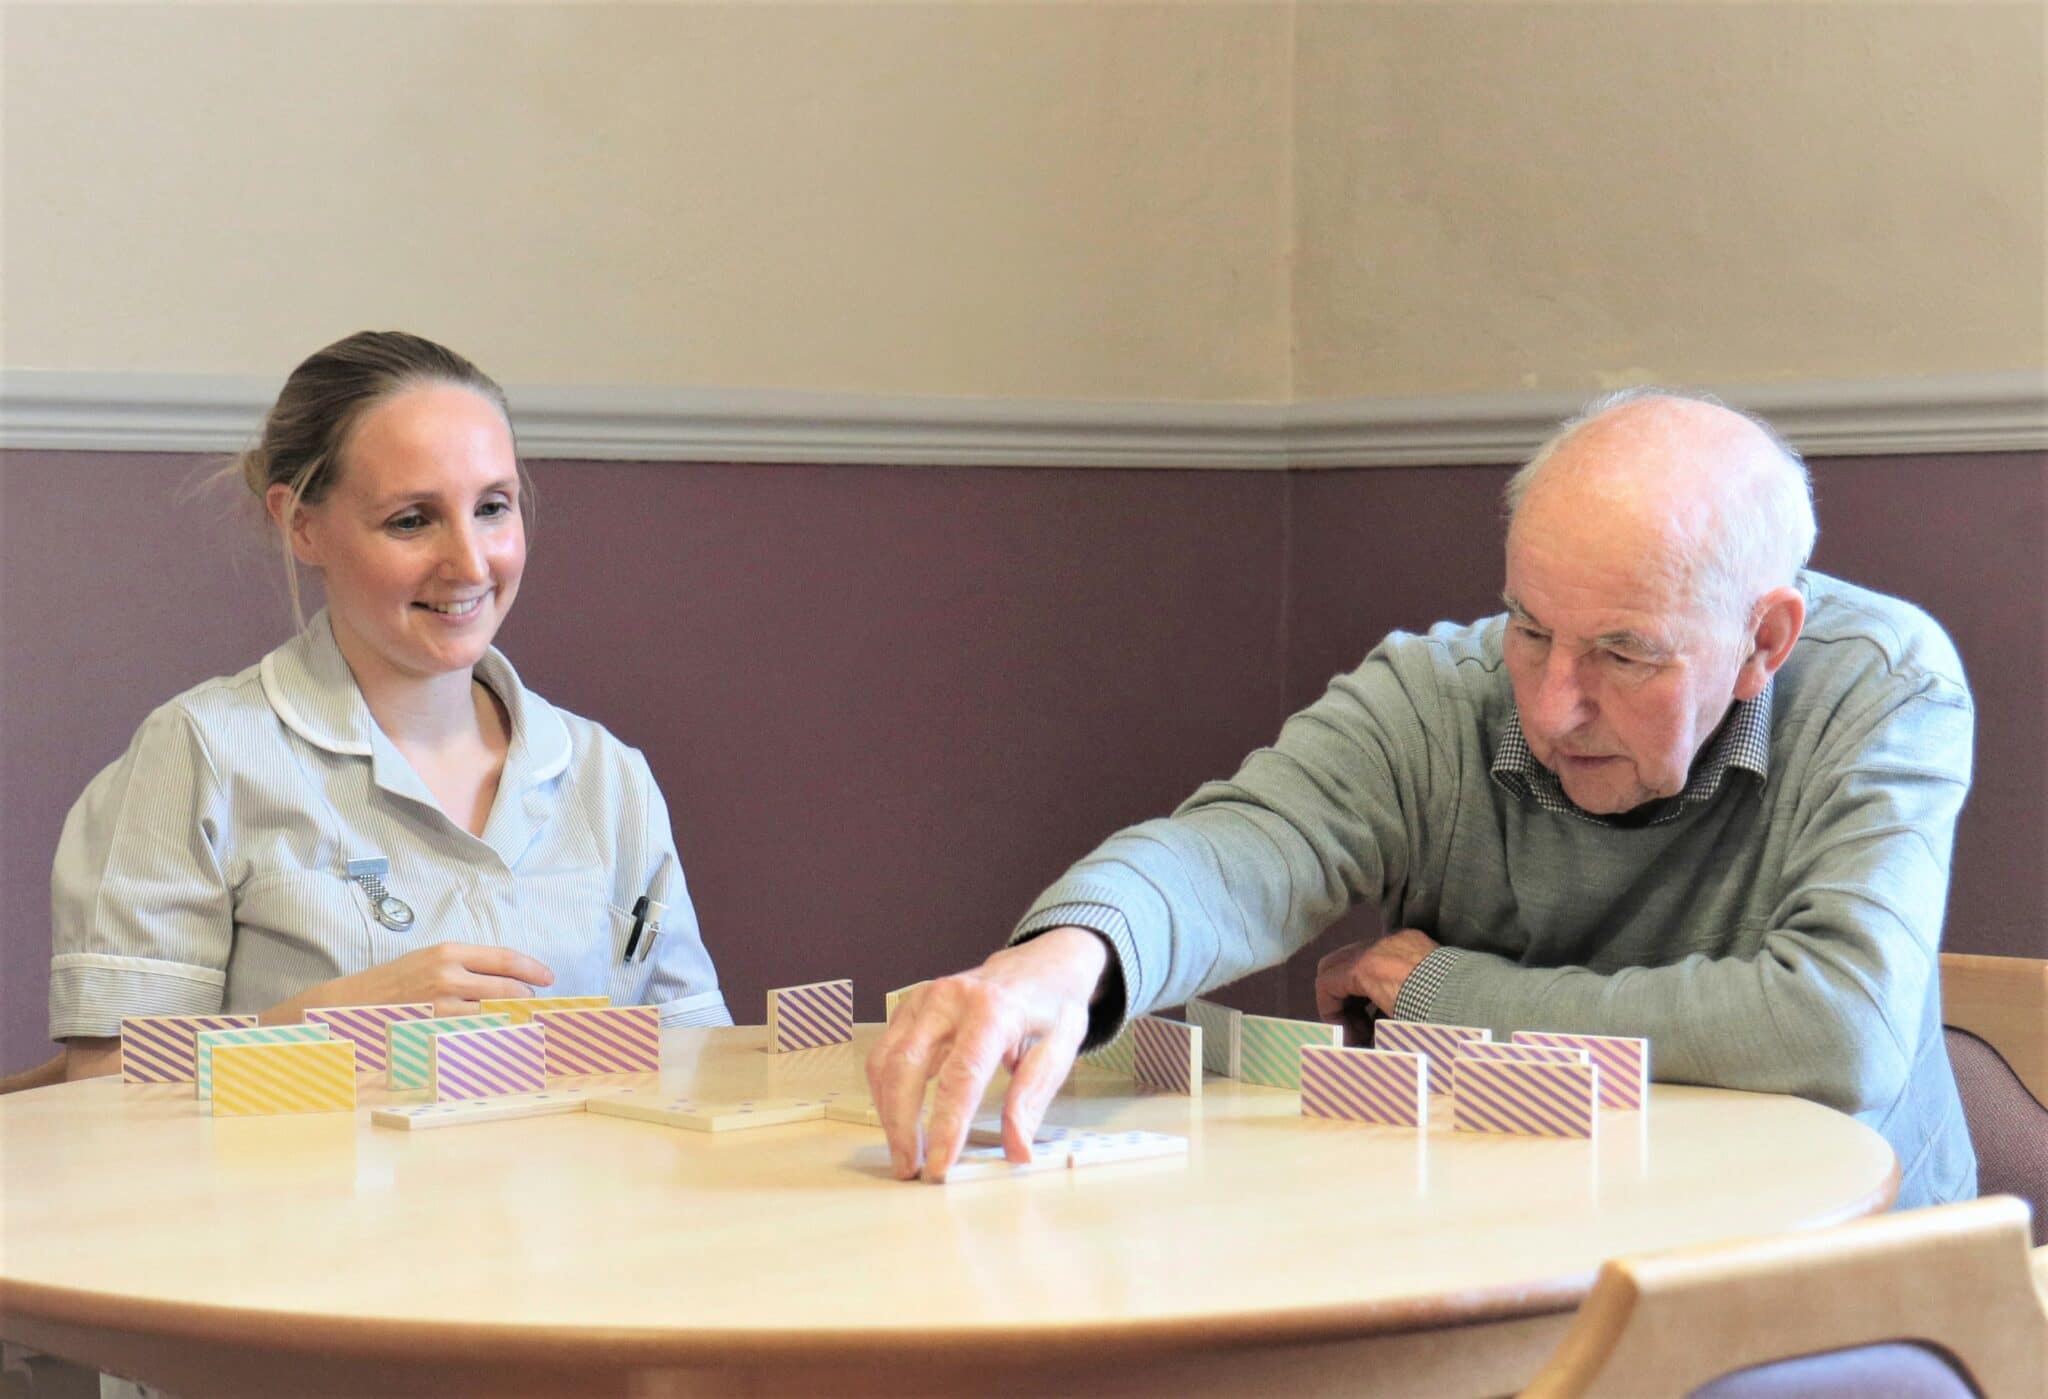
(598, 1255)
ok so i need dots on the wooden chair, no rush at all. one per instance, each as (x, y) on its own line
(1996, 1011)
(1957, 1277)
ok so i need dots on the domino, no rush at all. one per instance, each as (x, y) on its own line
(1109, 1148)
(1623, 1061)
(602, 1040)
(894, 998)
(989, 1132)
(863, 1113)
(808, 1017)
(1222, 1036)
(487, 1063)
(694, 1116)
(1438, 1043)
(1119, 1056)
(465, 1112)
(1519, 1053)
(988, 1163)
(368, 1028)
(406, 1044)
(1529, 1100)
(258, 1080)
(1272, 1048)
(1365, 1085)
(206, 1041)
(1167, 1054)
(160, 1048)
(523, 1008)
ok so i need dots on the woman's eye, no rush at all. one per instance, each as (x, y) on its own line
(406, 524)
(492, 508)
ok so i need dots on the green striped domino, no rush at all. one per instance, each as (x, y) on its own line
(1119, 1056)
(1271, 1048)
(409, 1039)
(204, 1042)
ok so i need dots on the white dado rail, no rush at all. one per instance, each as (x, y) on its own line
(62, 410)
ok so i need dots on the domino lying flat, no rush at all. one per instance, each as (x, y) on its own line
(1076, 1151)
(468, 1111)
(693, 1115)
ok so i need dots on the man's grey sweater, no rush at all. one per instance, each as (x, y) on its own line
(1782, 936)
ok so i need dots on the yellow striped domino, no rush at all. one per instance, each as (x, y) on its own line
(254, 1080)
(522, 1008)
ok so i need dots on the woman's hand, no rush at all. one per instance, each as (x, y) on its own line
(454, 976)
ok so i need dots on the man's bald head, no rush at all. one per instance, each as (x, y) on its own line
(1708, 493)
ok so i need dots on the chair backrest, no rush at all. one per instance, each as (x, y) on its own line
(1958, 1278)
(1996, 1011)
(2003, 1001)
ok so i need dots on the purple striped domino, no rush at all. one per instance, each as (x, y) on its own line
(807, 1017)
(1365, 1085)
(1437, 1043)
(1519, 1053)
(1167, 1054)
(1530, 1100)
(602, 1040)
(367, 1026)
(487, 1063)
(1624, 1063)
(162, 1048)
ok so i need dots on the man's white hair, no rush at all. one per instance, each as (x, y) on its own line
(1765, 534)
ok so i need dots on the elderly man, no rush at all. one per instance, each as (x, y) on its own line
(1681, 788)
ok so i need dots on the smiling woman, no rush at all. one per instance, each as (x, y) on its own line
(378, 811)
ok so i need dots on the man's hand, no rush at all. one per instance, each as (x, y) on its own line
(1374, 970)
(1024, 1009)
(453, 975)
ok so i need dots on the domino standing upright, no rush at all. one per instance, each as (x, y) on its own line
(602, 1040)
(1222, 1036)
(1624, 1063)
(1438, 1043)
(206, 1041)
(810, 1017)
(369, 1028)
(261, 1080)
(1384, 1086)
(162, 1049)
(1531, 1100)
(488, 1063)
(1167, 1054)
(1272, 1048)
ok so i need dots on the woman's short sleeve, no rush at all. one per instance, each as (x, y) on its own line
(141, 914)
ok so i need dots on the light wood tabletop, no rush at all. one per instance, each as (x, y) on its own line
(595, 1254)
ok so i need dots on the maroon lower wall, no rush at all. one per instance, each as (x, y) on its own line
(888, 704)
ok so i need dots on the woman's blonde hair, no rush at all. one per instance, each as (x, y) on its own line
(308, 428)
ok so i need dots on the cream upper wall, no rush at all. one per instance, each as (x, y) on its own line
(1572, 197)
(1177, 201)
(1033, 200)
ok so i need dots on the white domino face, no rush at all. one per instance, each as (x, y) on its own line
(1107, 1148)
(988, 1163)
(862, 1113)
(469, 1111)
(988, 1131)
(693, 1115)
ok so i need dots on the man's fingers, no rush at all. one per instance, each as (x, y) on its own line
(1040, 1072)
(963, 1078)
(898, 1067)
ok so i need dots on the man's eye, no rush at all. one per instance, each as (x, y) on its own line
(1625, 662)
(1530, 634)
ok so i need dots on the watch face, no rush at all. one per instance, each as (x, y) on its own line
(394, 913)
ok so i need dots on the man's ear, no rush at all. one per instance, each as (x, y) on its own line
(293, 520)
(1779, 617)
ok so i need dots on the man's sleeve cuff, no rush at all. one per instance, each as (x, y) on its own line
(1417, 1000)
(1106, 1010)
